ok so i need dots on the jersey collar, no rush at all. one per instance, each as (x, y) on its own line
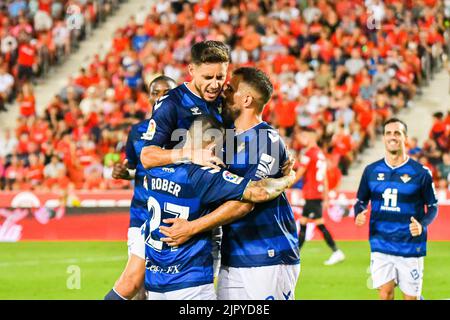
(400, 165)
(192, 92)
(243, 132)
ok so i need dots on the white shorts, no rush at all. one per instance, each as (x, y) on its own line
(204, 292)
(276, 282)
(406, 272)
(133, 235)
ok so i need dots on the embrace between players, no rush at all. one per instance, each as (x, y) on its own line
(183, 195)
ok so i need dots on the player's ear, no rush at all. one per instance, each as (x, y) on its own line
(191, 68)
(248, 100)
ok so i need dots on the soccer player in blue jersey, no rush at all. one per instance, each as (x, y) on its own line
(131, 168)
(174, 112)
(186, 191)
(260, 256)
(399, 189)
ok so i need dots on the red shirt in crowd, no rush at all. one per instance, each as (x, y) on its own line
(38, 133)
(60, 183)
(27, 55)
(14, 173)
(342, 144)
(285, 113)
(201, 14)
(35, 173)
(314, 162)
(45, 5)
(27, 106)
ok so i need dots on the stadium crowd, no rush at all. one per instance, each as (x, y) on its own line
(342, 67)
(38, 34)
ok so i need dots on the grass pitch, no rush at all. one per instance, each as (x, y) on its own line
(88, 270)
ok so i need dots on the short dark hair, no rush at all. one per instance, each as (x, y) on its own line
(439, 115)
(162, 78)
(393, 120)
(210, 51)
(205, 123)
(258, 80)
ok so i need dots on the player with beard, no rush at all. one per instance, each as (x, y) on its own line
(260, 256)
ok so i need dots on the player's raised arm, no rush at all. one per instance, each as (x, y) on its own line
(153, 156)
(268, 189)
(255, 191)
(161, 133)
(183, 230)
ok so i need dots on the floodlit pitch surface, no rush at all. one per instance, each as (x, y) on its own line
(87, 270)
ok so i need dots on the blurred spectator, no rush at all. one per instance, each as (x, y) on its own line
(444, 167)
(52, 169)
(328, 68)
(27, 58)
(6, 87)
(414, 150)
(355, 63)
(8, 144)
(14, 173)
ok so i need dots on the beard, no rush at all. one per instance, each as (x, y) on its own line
(229, 115)
(202, 94)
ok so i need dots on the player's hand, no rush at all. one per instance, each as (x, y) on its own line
(178, 233)
(361, 218)
(292, 178)
(288, 165)
(204, 158)
(415, 227)
(120, 170)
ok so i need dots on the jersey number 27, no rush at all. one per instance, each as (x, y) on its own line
(178, 211)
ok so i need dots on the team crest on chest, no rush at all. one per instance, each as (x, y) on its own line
(380, 177)
(405, 178)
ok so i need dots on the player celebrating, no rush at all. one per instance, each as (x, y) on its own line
(177, 110)
(260, 258)
(131, 168)
(398, 188)
(313, 169)
(187, 191)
